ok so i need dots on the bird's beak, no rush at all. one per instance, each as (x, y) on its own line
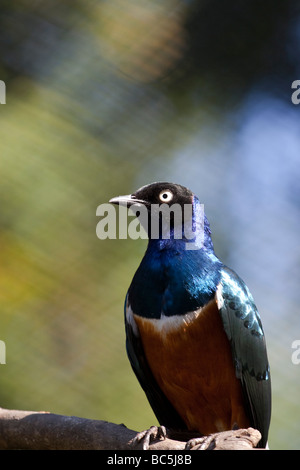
(127, 200)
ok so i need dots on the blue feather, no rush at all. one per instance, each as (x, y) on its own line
(172, 280)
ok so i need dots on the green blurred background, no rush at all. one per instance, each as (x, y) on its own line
(103, 97)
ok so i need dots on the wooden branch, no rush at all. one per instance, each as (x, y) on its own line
(47, 431)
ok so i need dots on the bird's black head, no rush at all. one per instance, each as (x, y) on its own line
(157, 193)
(169, 211)
(164, 193)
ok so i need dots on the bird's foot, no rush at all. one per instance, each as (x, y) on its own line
(201, 443)
(146, 437)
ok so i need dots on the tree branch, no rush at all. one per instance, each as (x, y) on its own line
(47, 431)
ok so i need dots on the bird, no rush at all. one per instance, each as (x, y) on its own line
(194, 336)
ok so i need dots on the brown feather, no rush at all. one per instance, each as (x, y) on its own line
(191, 360)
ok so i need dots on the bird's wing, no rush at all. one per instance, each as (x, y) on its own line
(244, 330)
(163, 409)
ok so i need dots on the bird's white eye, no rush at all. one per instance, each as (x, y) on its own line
(166, 195)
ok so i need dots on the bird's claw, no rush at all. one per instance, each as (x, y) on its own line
(202, 443)
(148, 436)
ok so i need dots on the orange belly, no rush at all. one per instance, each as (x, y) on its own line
(191, 360)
